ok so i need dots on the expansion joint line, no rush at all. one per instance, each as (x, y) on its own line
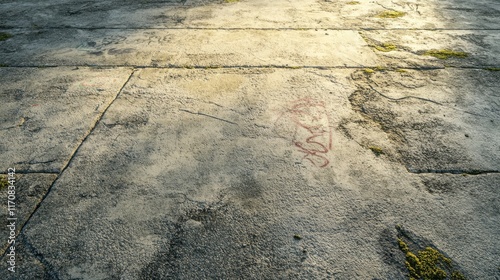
(452, 171)
(90, 131)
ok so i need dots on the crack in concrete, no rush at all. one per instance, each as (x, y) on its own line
(206, 115)
(33, 172)
(270, 66)
(424, 99)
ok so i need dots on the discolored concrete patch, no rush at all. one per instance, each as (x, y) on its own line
(47, 112)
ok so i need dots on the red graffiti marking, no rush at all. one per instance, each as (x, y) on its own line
(306, 122)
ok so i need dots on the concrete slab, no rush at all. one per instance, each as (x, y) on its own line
(46, 113)
(251, 139)
(197, 174)
(208, 48)
(451, 14)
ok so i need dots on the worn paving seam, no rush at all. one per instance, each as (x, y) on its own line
(293, 67)
(73, 155)
(31, 172)
(452, 171)
(250, 28)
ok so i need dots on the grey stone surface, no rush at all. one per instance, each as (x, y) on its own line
(250, 139)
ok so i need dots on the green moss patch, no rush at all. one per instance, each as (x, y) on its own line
(446, 53)
(385, 47)
(4, 36)
(353, 3)
(231, 1)
(368, 71)
(3, 182)
(493, 69)
(376, 150)
(428, 264)
(391, 14)
(373, 70)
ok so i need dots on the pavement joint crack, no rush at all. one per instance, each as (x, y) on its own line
(451, 171)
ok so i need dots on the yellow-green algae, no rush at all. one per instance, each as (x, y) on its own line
(446, 53)
(385, 47)
(391, 14)
(428, 264)
(376, 150)
(3, 182)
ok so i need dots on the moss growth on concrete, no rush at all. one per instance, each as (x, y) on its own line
(428, 264)
(353, 3)
(297, 237)
(374, 69)
(231, 1)
(3, 65)
(386, 47)
(391, 14)
(493, 69)
(3, 182)
(376, 150)
(446, 53)
(401, 70)
(4, 36)
(457, 276)
(369, 71)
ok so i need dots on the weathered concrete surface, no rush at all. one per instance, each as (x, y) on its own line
(452, 14)
(57, 107)
(251, 140)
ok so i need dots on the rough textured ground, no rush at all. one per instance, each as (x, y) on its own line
(250, 139)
